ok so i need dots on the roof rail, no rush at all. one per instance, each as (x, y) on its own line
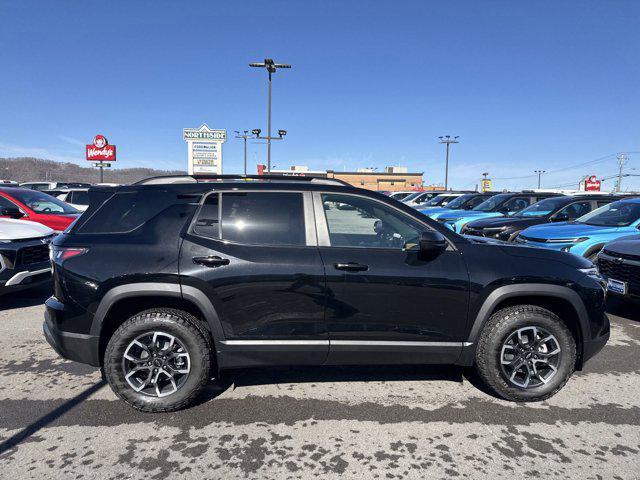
(166, 179)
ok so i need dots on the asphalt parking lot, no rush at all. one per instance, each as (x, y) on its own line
(59, 420)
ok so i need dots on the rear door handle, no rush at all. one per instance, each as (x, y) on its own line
(351, 267)
(211, 261)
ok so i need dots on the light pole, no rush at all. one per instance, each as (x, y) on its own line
(447, 140)
(271, 68)
(539, 172)
(256, 134)
(244, 136)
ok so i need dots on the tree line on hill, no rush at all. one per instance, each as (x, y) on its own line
(27, 169)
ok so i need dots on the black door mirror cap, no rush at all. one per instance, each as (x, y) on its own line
(432, 243)
(560, 218)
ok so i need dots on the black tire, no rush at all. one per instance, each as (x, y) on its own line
(497, 330)
(192, 335)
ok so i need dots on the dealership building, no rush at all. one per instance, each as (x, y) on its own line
(391, 179)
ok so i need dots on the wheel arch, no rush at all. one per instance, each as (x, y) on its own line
(122, 302)
(558, 299)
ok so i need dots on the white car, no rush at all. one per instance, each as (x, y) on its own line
(43, 186)
(76, 197)
(24, 254)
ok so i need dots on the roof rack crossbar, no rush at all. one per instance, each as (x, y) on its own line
(164, 179)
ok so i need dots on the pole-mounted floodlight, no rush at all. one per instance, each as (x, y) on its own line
(447, 140)
(539, 173)
(256, 132)
(282, 133)
(271, 67)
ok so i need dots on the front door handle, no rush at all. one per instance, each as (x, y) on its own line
(351, 267)
(211, 261)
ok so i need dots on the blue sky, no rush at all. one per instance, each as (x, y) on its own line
(526, 85)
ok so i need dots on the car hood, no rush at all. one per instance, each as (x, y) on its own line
(517, 250)
(520, 222)
(20, 229)
(566, 230)
(625, 246)
(458, 214)
(429, 210)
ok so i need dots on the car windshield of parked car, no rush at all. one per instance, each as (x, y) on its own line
(439, 201)
(43, 203)
(543, 207)
(411, 196)
(616, 214)
(492, 203)
(461, 201)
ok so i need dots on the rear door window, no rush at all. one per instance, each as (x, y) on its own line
(253, 218)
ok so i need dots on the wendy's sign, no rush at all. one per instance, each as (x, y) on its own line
(101, 151)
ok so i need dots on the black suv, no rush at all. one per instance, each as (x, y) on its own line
(554, 209)
(168, 282)
(619, 262)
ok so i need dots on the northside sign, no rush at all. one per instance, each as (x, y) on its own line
(204, 133)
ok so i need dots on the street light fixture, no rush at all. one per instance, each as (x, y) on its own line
(271, 67)
(244, 136)
(539, 173)
(447, 140)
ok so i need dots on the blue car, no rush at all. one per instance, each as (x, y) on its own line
(438, 206)
(496, 206)
(586, 235)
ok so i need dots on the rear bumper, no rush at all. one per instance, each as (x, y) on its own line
(78, 347)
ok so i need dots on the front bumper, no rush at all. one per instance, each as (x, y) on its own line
(591, 347)
(78, 347)
(26, 276)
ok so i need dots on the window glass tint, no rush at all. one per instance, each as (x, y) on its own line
(492, 203)
(207, 223)
(80, 198)
(577, 209)
(543, 207)
(42, 202)
(516, 204)
(4, 203)
(616, 214)
(126, 211)
(263, 218)
(360, 222)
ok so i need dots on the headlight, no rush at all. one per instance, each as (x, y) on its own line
(593, 272)
(567, 240)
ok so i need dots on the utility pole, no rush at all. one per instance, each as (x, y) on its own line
(447, 140)
(622, 159)
(539, 172)
(244, 136)
(271, 68)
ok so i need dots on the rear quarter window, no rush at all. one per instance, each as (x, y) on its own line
(127, 211)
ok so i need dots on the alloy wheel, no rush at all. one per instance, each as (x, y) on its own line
(156, 364)
(530, 357)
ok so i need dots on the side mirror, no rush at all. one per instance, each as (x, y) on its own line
(12, 212)
(561, 217)
(432, 243)
(504, 210)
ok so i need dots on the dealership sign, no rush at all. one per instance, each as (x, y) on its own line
(204, 149)
(592, 184)
(100, 150)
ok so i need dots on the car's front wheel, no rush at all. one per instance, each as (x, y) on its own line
(525, 353)
(158, 360)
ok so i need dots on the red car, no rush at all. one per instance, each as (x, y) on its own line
(36, 206)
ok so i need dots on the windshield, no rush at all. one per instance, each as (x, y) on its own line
(42, 203)
(440, 200)
(616, 214)
(411, 196)
(400, 195)
(543, 207)
(461, 201)
(492, 203)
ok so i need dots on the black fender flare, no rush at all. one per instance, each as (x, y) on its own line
(521, 290)
(159, 289)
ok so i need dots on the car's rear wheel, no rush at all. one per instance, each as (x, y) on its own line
(525, 353)
(158, 360)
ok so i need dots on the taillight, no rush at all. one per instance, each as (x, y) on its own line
(60, 254)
